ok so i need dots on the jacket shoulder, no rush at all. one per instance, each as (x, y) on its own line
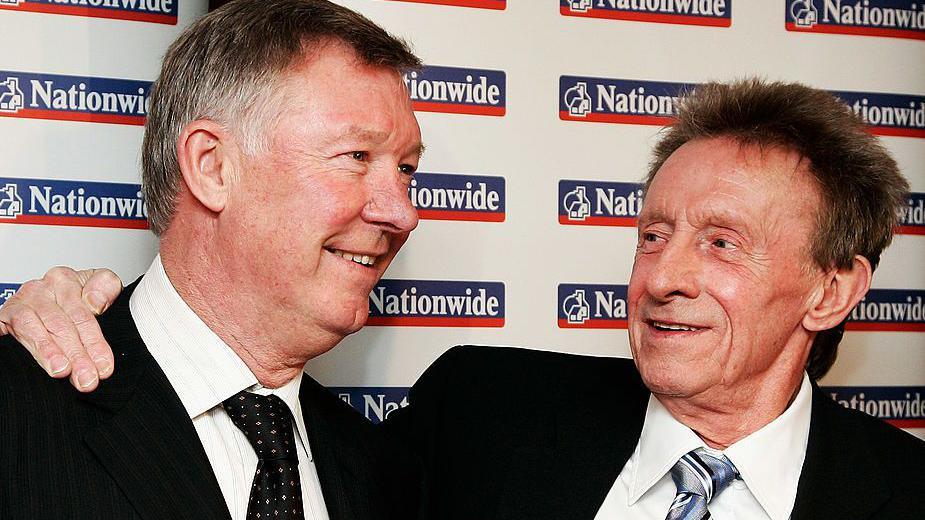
(900, 452)
(512, 380)
(525, 364)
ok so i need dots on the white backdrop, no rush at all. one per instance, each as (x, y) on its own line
(520, 134)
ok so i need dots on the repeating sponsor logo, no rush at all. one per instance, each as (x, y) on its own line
(913, 217)
(73, 98)
(442, 196)
(72, 203)
(156, 11)
(482, 4)
(375, 402)
(889, 310)
(716, 13)
(457, 90)
(603, 100)
(588, 306)
(7, 290)
(888, 114)
(901, 406)
(437, 303)
(894, 18)
(595, 203)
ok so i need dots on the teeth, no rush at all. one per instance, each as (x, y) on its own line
(672, 326)
(358, 258)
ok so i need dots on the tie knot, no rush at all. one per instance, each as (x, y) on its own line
(703, 474)
(266, 422)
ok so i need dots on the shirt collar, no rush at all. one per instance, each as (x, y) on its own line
(201, 368)
(769, 460)
(662, 442)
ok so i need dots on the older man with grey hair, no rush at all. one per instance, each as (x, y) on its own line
(767, 208)
(280, 139)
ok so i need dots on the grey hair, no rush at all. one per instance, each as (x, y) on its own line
(223, 68)
(863, 192)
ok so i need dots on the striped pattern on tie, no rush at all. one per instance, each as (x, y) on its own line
(698, 476)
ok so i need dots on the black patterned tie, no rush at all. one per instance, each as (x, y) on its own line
(267, 423)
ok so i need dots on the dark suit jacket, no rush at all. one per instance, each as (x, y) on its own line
(517, 434)
(129, 449)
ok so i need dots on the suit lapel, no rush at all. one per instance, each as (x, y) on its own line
(839, 478)
(149, 446)
(589, 447)
(336, 453)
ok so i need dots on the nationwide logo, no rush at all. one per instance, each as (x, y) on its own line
(376, 403)
(595, 203)
(889, 310)
(458, 91)
(715, 13)
(901, 406)
(603, 100)
(436, 303)
(7, 290)
(587, 306)
(73, 98)
(482, 4)
(156, 11)
(893, 18)
(72, 203)
(443, 196)
(913, 217)
(888, 114)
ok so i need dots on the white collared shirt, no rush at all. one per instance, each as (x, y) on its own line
(769, 461)
(204, 371)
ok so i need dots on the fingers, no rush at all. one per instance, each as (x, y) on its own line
(73, 326)
(51, 319)
(81, 337)
(24, 323)
(101, 288)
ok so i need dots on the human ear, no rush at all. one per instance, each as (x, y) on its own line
(840, 292)
(206, 164)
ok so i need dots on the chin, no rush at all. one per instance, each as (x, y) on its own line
(665, 379)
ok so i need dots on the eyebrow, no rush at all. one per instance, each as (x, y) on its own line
(364, 134)
(710, 216)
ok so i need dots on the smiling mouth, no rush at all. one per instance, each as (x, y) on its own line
(357, 258)
(672, 327)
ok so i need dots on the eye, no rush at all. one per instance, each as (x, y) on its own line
(407, 169)
(359, 156)
(650, 242)
(722, 243)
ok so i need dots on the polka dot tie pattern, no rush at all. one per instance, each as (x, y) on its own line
(267, 423)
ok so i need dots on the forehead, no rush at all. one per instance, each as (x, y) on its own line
(332, 90)
(720, 177)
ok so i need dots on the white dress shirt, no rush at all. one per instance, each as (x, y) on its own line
(204, 371)
(769, 462)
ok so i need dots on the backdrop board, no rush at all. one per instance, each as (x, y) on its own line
(538, 121)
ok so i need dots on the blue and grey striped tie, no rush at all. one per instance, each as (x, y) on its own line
(698, 476)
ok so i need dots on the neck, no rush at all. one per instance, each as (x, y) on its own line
(275, 348)
(721, 416)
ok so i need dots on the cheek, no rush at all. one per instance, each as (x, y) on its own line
(637, 286)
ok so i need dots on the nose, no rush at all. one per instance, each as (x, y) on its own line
(389, 206)
(676, 271)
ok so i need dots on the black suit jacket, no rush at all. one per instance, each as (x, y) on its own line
(129, 449)
(517, 434)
